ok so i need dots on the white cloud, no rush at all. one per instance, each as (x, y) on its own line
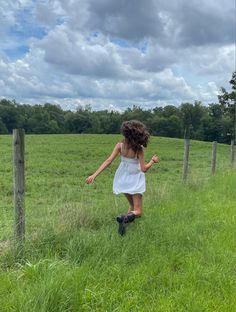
(76, 55)
(211, 60)
(207, 92)
(97, 52)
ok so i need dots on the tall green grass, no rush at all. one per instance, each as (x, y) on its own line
(178, 257)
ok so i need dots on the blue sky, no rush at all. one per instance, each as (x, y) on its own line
(115, 54)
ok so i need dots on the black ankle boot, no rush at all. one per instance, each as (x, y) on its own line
(121, 220)
(129, 217)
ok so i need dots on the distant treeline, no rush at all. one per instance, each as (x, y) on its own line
(213, 122)
(204, 123)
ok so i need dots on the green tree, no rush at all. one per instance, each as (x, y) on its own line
(191, 116)
(3, 128)
(167, 127)
(9, 114)
(57, 117)
(170, 110)
(110, 122)
(39, 122)
(137, 113)
(228, 102)
(78, 122)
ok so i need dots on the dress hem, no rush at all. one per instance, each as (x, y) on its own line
(131, 193)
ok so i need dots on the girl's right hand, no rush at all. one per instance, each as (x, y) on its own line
(90, 179)
(155, 158)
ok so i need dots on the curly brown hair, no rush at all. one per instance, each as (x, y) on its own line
(136, 134)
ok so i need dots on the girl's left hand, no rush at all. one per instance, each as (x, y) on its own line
(155, 158)
(90, 179)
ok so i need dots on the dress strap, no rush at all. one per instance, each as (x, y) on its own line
(122, 149)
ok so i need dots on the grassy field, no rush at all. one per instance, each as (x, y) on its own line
(178, 257)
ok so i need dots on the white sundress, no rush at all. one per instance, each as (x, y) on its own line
(128, 177)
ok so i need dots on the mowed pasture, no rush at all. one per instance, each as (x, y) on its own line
(178, 257)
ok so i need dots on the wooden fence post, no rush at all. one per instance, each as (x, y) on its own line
(213, 160)
(186, 157)
(19, 186)
(232, 153)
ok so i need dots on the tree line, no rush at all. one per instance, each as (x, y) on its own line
(215, 122)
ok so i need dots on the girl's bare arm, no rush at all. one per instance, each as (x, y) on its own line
(105, 164)
(144, 167)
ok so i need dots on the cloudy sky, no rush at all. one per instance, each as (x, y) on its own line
(113, 54)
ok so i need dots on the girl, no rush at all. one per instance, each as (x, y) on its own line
(129, 177)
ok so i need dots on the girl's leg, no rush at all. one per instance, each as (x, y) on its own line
(130, 200)
(135, 210)
(137, 204)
